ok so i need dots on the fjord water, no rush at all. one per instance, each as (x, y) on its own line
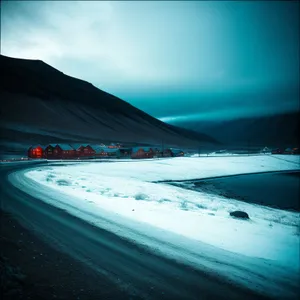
(278, 190)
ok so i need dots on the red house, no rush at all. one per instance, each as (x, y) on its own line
(64, 151)
(106, 152)
(161, 152)
(84, 150)
(114, 146)
(177, 152)
(142, 152)
(295, 151)
(36, 151)
(49, 151)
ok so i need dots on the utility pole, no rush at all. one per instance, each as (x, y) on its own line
(249, 147)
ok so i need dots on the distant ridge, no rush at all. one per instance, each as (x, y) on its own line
(277, 130)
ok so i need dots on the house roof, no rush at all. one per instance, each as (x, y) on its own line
(146, 149)
(77, 146)
(110, 150)
(98, 149)
(35, 146)
(176, 150)
(65, 146)
(52, 145)
(160, 149)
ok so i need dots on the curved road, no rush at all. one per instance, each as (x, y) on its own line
(138, 271)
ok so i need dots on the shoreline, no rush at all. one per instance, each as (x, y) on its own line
(225, 176)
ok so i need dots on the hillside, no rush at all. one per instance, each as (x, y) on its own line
(281, 130)
(42, 105)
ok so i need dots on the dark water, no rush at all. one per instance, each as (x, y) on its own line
(279, 190)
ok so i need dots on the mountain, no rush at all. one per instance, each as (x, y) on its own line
(40, 104)
(280, 130)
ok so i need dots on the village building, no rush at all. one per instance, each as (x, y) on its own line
(176, 152)
(105, 152)
(167, 153)
(142, 152)
(100, 151)
(290, 150)
(114, 146)
(36, 151)
(157, 152)
(111, 152)
(84, 150)
(265, 150)
(72, 151)
(64, 151)
(277, 151)
(162, 152)
(124, 153)
(49, 151)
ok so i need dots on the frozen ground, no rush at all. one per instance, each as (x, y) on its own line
(123, 193)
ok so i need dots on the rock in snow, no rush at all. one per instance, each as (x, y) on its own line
(239, 214)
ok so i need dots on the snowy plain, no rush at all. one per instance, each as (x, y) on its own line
(121, 196)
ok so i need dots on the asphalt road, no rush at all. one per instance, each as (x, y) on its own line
(136, 270)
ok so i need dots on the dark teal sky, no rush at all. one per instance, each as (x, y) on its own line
(177, 60)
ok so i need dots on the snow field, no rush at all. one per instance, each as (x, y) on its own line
(195, 227)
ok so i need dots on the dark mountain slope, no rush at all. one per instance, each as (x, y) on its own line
(281, 130)
(40, 104)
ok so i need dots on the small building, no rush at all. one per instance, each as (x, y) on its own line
(157, 152)
(49, 151)
(105, 152)
(288, 151)
(84, 150)
(177, 152)
(142, 152)
(111, 152)
(124, 153)
(265, 150)
(36, 151)
(277, 151)
(114, 146)
(100, 151)
(64, 151)
(167, 153)
(162, 152)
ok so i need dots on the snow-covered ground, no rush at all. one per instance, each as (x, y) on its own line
(124, 193)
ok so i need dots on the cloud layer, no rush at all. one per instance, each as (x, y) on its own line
(165, 57)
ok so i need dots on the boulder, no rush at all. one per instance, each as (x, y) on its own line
(239, 214)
